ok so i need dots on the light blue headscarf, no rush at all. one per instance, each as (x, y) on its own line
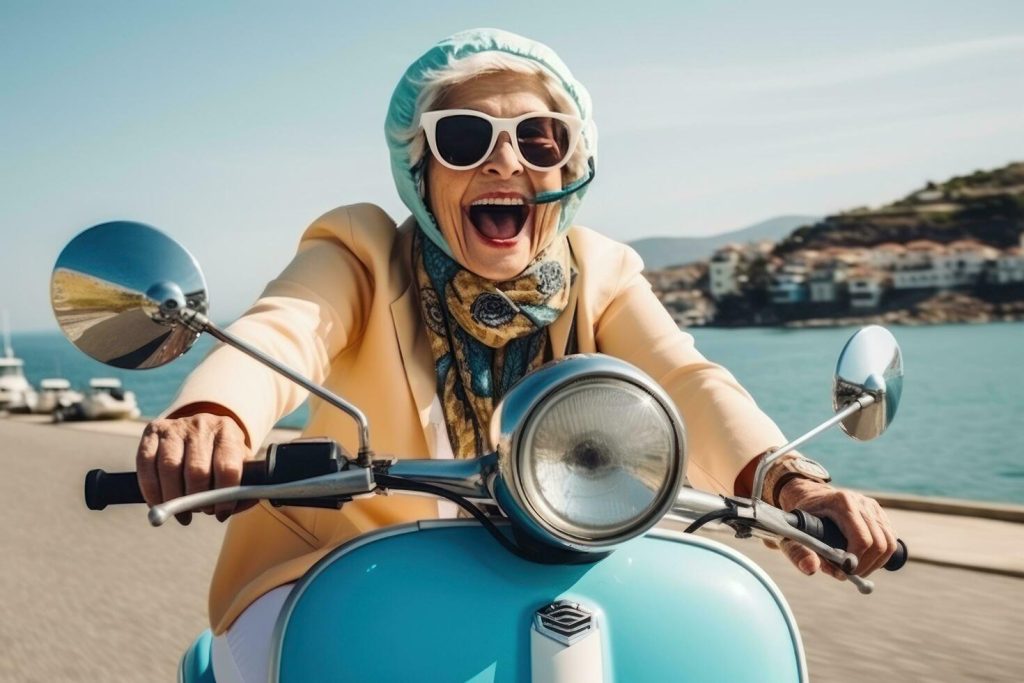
(402, 110)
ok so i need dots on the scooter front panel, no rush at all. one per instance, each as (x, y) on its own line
(443, 601)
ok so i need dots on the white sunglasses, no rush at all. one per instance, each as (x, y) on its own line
(462, 139)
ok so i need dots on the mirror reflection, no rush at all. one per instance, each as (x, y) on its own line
(103, 287)
(871, 362)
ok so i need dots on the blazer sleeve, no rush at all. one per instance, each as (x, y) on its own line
(725, 429)
(305, 317)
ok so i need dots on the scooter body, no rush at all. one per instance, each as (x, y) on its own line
(442, 601)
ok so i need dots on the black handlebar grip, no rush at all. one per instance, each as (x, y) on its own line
(111, 488)
(121, 488)
(825, 530)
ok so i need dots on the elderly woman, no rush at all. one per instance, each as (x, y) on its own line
(426, 325)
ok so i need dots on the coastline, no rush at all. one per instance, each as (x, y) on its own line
(946, 308)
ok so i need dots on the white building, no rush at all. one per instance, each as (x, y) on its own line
(933, 266)
(822, 287)
(887, 255)
(920, 253)
(827, 282)
(866, 288)
(723, 271)
(923, 265)
(1008, 268)
(968, 258)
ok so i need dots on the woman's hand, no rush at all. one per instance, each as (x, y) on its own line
(186, 455)
(862, 520)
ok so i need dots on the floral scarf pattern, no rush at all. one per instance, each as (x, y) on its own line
(485, 335)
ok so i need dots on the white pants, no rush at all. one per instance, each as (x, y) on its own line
(242, 653)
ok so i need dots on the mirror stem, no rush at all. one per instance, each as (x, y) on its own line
(200, 323)
(861, 402)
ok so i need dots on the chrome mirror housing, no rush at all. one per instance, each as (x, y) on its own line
(130, 296)
(116, 289)
(870, 363)
(591, 452)
(865, 394)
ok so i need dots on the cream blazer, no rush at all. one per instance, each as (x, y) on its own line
(345, 314)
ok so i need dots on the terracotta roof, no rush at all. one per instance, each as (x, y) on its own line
(924, 245)
(966, 244)
(864, 273)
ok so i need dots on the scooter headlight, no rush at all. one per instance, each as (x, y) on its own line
(590, 451)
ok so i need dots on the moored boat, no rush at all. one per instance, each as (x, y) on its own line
(107, 399)
(16, 394)
(54, 393)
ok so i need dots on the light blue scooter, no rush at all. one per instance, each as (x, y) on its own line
(569, 582)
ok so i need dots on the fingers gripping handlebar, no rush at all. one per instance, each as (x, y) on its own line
(284, 463)
(122, 488)
(825, 530)
(819, 534)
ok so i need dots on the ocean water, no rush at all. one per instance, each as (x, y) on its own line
(959, 431)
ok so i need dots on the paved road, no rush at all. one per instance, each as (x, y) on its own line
(102, 596)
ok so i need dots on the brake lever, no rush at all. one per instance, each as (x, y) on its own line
(774, 520)
(347, 482)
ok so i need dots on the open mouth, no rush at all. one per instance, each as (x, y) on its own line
(499, 218)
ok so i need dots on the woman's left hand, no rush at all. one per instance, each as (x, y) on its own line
(862, 520)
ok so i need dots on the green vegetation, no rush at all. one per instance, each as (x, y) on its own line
(985, 205)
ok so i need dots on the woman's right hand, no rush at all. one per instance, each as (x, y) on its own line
(184, 455)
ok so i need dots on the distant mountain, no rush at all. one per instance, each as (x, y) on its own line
(659, 252)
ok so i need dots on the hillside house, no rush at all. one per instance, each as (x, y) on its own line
(1008, 267)
(886, 256)
(789, 284)
(866, 287)
(827, 281)
(723, 271)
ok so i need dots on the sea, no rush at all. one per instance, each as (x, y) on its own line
(959, 430)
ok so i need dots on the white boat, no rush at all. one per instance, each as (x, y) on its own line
(108, 400)
(56, 392)
(16, 394)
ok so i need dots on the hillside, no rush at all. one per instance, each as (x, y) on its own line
(660, 252)
(986, 205)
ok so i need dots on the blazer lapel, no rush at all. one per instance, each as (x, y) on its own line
(416, 357)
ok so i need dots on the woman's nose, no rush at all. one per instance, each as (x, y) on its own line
(503, 161)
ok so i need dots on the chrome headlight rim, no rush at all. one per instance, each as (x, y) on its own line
(521, 406)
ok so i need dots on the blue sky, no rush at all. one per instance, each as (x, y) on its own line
(231, 125)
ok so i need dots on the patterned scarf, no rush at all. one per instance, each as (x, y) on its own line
(486, 335)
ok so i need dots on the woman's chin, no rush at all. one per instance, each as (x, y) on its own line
(497, 260)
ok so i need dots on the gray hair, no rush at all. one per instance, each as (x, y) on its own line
(438, 83)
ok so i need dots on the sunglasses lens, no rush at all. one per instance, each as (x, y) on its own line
(543, 141)
(462, 140)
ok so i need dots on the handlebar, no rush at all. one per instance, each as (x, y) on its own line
(122, 488)
(825, 530)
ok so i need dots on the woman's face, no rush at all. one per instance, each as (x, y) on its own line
(493, 243)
